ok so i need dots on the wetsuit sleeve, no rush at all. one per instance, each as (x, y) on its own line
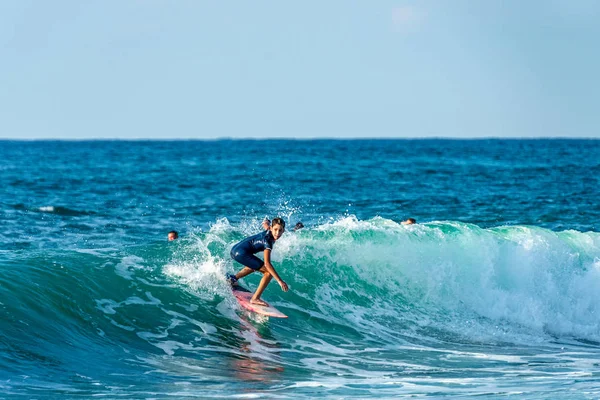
(269, 242)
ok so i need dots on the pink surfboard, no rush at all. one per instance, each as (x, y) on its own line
(243, 297)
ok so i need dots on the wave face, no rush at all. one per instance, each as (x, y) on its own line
(378, 276)
(374, 306)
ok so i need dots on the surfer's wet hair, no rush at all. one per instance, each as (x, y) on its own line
(278, 221)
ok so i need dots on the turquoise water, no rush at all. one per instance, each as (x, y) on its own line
(494, 293)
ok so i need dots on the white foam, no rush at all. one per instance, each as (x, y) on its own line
(128, 265)
(205, 279)
(524, 276)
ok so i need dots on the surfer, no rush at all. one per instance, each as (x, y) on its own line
(409, 221)
(244, 253)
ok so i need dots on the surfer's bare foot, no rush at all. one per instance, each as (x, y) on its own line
(259, 302)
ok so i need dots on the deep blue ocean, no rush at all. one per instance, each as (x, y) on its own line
(494, 293)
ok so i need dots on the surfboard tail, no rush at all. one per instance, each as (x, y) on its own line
(244, 297)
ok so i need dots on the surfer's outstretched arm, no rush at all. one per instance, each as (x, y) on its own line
(271, 270)
(268, 273)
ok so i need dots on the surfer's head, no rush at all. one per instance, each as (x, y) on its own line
(277, 228)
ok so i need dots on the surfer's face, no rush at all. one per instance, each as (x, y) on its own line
(277, 231)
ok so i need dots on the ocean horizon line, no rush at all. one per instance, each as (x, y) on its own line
(304, 139)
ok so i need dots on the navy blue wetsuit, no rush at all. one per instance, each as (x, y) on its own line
(244, 251)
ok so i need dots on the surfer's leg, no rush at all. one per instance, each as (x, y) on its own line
(244, 272)
(233, 279)
(250, 262)
(264, 282)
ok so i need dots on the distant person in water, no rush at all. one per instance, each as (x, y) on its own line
(244, 253)
(266, 224)
(172, 235)
(409, 221)
(299, 225)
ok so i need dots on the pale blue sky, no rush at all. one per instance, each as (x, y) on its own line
(206, 69)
